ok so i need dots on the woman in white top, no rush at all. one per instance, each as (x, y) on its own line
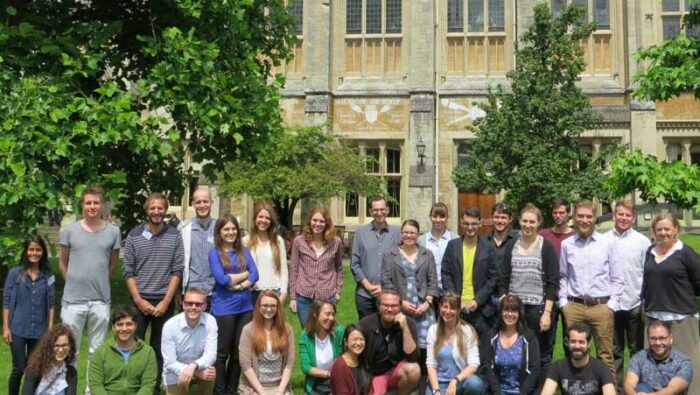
(269, 252)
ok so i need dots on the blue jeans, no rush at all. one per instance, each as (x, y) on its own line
(643, 387)
(473, 385)
(304, 306)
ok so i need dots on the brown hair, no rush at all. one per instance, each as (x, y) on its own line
(532, 209)
(279, 340)
(665, 215)
(409, 222)
(438, 209)
(42, 358)
(156, 196)
(237, 245)
(93, 190)
(453, 301)
(329, 233)
(312, 319)
(271, 234)
(585, 203)
(626, 203)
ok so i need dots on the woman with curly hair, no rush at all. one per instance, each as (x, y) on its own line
(28, 306)
(51, 369)
(317, 264)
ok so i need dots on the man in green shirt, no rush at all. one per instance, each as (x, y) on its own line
(124, 364)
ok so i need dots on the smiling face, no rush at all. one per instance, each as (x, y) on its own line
(578, 345)
(666, 232)
(156, 211)
(584, 221)
(470, 226)
(201, 201)
(317, 224)
(229, 233)
(355, 343)
(124, 329)
(448, 312)
(438, 221)
(660, 342)
(501, 221)
(623, 218)
(409, 235)
(510, 317)
(378, 210)
(263, 220)
(326, 317)
(389, 308)
(529, 223)
(34, 252)
(61, 348)
(268, 307)
(92, 205)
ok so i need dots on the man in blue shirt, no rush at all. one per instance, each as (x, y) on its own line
(660, 368)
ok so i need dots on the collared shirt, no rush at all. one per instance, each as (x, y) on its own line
(587, 271)
(629, 249)
(202, 240)
(368, 248)
(29, 302)
(668, 315)
(657, 374)
(437, 247)
(312, 275)
(183, 345)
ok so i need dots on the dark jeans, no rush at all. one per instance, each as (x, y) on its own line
(156, 324)
(559, 317)
(479, 321)
(533, 313)
(629, 328)
(365, 306)
(228, 375)
(20, 348)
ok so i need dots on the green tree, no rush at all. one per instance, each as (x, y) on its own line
(526, 144)
(120, 92)
(298, 164)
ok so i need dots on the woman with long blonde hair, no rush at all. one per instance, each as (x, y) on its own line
(317, 264)
(267, 349)
(269, 252)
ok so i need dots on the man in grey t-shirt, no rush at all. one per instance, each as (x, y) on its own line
(89, 254)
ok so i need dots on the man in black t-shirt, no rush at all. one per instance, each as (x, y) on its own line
(579, 374)
(391, 348)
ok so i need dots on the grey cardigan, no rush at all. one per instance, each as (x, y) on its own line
(394, 275)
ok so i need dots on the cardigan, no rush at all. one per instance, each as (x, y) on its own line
(668, 286)
(32, 380)
(394, 274)
(342, 380)
(249, 360)
(550, 270)
(110, 375)
(529, 368)
(462, 361)
(307, 353)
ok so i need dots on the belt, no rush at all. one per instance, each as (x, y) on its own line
(589, 301)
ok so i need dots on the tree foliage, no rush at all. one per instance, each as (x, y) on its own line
(673, 182)
(298, 164)
(674, 65)
(526, 144)
(118, 93)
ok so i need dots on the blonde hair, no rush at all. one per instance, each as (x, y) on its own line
(271, 234)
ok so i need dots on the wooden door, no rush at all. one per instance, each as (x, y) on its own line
(484, 202)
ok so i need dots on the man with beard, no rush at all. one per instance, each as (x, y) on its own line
(153, 264)
(579, 374)
(124, 365)
(189, 347)
(392, 347)
(591, 281)
(660, 369)
(197, 240)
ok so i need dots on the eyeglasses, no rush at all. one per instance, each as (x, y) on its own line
(471, 224)
(268, 306)
(658, 338)
(389, 306)
(193, 304)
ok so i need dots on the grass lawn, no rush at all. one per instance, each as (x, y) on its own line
(346, 314)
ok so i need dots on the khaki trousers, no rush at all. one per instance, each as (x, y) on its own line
(197, 387)
(601, 320)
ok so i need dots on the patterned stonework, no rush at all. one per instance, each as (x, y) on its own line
(370, 114)
(458, 113)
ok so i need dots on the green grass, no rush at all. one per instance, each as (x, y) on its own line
(346, 315)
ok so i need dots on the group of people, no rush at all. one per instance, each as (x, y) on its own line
(438, 313)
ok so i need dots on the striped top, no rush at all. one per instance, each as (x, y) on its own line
(153, 259)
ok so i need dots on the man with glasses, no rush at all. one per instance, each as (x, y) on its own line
(391, 347)
(189, 347)
(469, 269)
(660, 369)
(370, 243)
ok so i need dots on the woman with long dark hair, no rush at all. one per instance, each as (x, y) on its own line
(510, 354)
(269, 252)
(350, 372)
(232, 301)
(28, 306)
(317, 264)
(51, 368)
(320, 345)
(453, 352)
(267, 349)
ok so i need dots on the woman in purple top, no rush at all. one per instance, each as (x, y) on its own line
(232, 300)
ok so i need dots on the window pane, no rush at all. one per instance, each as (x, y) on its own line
(602, 14)
(464, 151)
(393, 16)
(351, 205)
(393, 189)
(455, 15)
(393, 161)
(296, 7)
(373, 160)
(353, 18)
(693, 32)
(670, 5)
(674, 152)
(557, 5)
(496, 16)
(672, 27)
(476, 16)
(373, 21)
(689, 7)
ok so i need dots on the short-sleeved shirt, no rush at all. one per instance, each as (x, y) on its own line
(384, 346)
(87, 278)
(657, 374)
(588, 380)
